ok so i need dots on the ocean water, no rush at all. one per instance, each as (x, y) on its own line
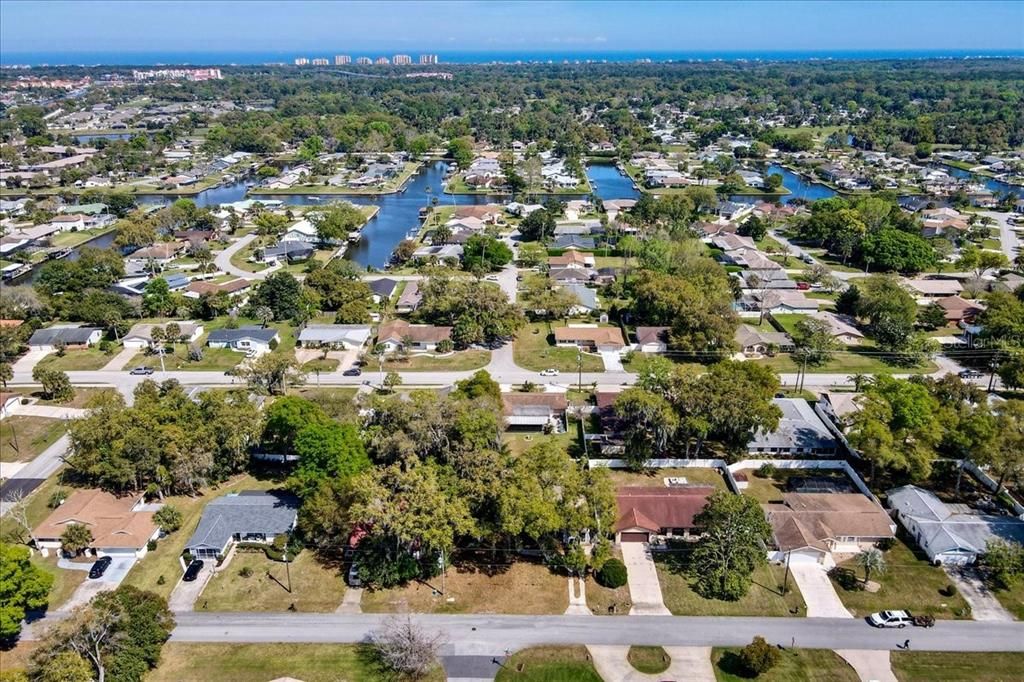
(221, 58)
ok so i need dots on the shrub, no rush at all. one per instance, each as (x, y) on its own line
(885, 544)
(445, 346)
(612, 574)
(151, 545)
(767, 470)
(759, 656)
(273, 344)
(847, 579)
(168, 518)
(948, 591)
(246, 572)
(56, 498)
(161, 580)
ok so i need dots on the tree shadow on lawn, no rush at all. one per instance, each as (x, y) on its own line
(731, 664)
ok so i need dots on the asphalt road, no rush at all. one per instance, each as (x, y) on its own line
(480, 635)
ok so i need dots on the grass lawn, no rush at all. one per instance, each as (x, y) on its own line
(522, 587)
(1012, 600)
(926, 666)
(455, 362)
(81, 236)
(763, 598)
(213, 359)
(82, 396)
(65, 582)
(604, 601)
(549, 664)
(19, 657)
(909, 583)
(257, 662)
(338, 403)
(83, 359)
(535, 350)
(609, 262)
(320, 364)
(315, 587)
(163, 561)
(771, 489)
(796, 665)
(519, 441)
(655, 477)
(649, 660)
(23, 437)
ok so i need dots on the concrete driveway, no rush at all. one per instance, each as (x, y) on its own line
(120, 361)
(184, 595)
(612, 361)
(113, 576)
(984, 605)
(644, 588)
(27, 362)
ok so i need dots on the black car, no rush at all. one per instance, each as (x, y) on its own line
(971, 374)
(353, 372)
(99, 568)
(193, 570)
(142, 371)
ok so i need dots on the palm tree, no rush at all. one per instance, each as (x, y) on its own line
(264, 314)
(872, 561)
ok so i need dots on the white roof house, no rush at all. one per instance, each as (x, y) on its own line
(347, 335)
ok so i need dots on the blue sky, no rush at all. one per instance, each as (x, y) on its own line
(508, 26)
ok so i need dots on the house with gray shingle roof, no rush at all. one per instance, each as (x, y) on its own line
(247, 516)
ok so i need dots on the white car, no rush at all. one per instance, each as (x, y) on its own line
(891, 619)
(549, 373)
(491, 278)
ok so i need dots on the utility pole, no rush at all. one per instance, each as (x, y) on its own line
(579, 368)
(785, 580)
(803, 373)
(287, 569)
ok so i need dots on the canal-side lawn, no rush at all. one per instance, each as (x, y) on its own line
(910, 582)
(478, 586)
(458, 361)
(762, 599)
(535, 350)
(549, 664)
(78, 359)
(23, 437)
(389, 187)
(795, 665)
(252, 582)
(73, 239)
(269, 661)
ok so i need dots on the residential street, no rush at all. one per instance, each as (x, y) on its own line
(223, 259)
(1008, 239)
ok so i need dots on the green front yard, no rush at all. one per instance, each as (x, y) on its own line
(1012, 599)
(763, 598)
(521, 440)
(214, 359)
(83, 359)
(314, 586)
(23, 437)
(72, 239)
(258, 662)
(535, 350)
(459, 361)
(796, 665)
(65, 582)
(960, 666)
(910, 582)
(549, 664)
(656, 477)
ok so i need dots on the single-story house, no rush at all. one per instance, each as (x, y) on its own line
(534, 409)
(49, 338)
(442, 252)
(247, 516)
(590, 338)
(934, 288)
(118, 527)
(161, 253)
(571, 275)
(755, 343)
(950, 534)
(779, 301)
(652, 339)
(346, 336)
(141, 335)
(571, 259)
(410, 298)
(800, 432)
(574, 241)
(958, 309)
(250, 340)
(383, 289)
(809, 527)
(842, 327)
(394, 333)
(652, 513)
(291, 251)
(587, 298)
(233, 288)
(839, 407)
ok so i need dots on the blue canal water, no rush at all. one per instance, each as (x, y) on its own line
(997, 187)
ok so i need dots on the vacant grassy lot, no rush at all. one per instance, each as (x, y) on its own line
(521, 440)
(854, 360)
(549, 664)
(771, 489)
(258, 662)
(796, 665)
(1012, 600)
(23, 437)
(909, 583)
(455, 362)
(913, 666)
(522, 587)
(763, 598)
(214, 359)
(656, 477)
(535, 350)
(163, 561)
(315, 587)
(77, 359)
(82, 396)
(649, 660)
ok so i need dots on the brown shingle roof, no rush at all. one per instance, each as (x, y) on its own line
(660, 507)
(596, 335)
(517, 403)
(110, 518)
(810, 519)
(646, 335)
(396, 330)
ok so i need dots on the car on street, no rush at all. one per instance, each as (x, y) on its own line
(807, 259)
(353, 576)
(491, 278)
(99, 568)
(192, 572)
(549, 373)
(142, 371)
(971, 374)
(891, 619)
(352, 372)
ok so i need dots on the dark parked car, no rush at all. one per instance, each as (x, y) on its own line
(142, 371)
(99, 568)
(971, 374)
(193, 570)
(352, 372)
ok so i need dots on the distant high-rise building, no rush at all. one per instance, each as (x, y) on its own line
(342, 59)
(364, 60)
(401, 60)
(320, 61)
(382, 60)
(428, 59)
(301, 61)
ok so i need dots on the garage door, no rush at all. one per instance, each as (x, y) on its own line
(634, 537)
(805, 556)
